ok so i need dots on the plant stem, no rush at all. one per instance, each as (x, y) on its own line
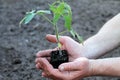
(48, 19)
(56, 30)
(63, 32)
(57, 35)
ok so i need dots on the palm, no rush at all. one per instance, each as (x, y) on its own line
(73, 49)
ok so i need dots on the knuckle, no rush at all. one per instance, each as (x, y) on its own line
(68, 67)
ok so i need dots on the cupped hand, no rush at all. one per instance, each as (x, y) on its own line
(74, 49)
(75, 70)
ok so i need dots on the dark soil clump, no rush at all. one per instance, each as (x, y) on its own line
(58, 57)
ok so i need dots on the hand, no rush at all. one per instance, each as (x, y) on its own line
(74, 49)
(75, 70)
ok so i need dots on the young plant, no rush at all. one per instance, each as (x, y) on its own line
(58, 9)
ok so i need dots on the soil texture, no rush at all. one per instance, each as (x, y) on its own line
(18, 45)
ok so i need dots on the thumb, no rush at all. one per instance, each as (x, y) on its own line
(71, 66)
(52, 38)
(76, 65)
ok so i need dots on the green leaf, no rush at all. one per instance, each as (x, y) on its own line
(60, 8)
(79, 38)
(28, 17)
(68, 22)
(68, 8)
(75, 34)
(55, 15)
(67, 15)
(56, 18)
(52, 8)
(72, 33)
(57, 10)
(22, 21)
(43, 12)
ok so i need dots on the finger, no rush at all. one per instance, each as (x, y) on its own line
(38, 66)
(56, 75)
(44, 53)
(48, 58)
(37, 60)
(77, 64)
(49, 71)
(43, 74)
(46, 66)
(52, 38)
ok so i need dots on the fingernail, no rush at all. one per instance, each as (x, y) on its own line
(62, 68)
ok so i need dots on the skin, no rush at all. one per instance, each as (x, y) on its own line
(105, 67)
(67, 44)
(83, 62)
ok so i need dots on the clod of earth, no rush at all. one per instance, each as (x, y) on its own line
(58, 57)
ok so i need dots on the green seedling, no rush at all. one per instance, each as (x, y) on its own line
(58, 9)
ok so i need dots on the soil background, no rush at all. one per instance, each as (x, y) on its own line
(18, 46)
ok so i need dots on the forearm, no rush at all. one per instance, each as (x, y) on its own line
(105, 40)
(105, 67)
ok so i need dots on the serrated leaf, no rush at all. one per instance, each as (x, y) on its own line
(43, 12)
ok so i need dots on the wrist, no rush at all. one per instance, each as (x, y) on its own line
(98, 67)
(95, 67)
(91, 68)
(91, 48)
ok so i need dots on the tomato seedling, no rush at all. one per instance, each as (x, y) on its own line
(58, 9)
